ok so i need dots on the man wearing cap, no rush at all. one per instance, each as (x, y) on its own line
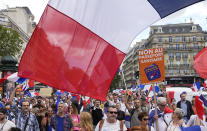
(144, 106)
(186, 106)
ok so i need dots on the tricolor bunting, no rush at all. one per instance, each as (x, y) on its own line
(78, 45)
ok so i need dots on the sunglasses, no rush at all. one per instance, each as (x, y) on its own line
(111, 112)
(145, 119)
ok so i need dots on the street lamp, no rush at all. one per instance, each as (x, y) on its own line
(7, 67)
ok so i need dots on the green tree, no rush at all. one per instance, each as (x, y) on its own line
(10, 42)
(115, 82)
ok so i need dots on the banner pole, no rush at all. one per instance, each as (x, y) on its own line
(155, 101)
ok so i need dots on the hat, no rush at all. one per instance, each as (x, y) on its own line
(184, 92)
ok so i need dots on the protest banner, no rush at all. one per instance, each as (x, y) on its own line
(44, 92)
(151, 65)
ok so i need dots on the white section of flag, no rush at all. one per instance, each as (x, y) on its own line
(116, 21)
(13, 77)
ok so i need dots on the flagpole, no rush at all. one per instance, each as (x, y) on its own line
(155, 101)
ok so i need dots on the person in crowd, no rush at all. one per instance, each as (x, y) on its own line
(186, 106)
(134, 113)
(5, 124)
(40, 114)
(115, 100)
(121, 114)
(86, 123)
(14, 129)
(164, 116)
(144, 121)
(24, 119)
(177, 120)
(144, 106)
(195, 120)
(75, 116)
(122, 102)
(61, 121)
(173, 106)
(111, 123)
(46, 120)
(96, 112)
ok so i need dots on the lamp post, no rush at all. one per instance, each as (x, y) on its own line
(7, 66)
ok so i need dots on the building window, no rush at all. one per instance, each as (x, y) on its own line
(171, 63)
(184, 62)
(170, 39)
(184, 46)
(160, 39)
(177, 46)
(176, 39)
(185, 55)
(194, 38)
(178, 63)
(185, 71)
(183, 38)
(177, 54)
(171, 72)
(170, 46)
(178, 71)
(194, 54)
(195, 45)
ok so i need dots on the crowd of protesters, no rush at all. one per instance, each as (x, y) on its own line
(120, 112)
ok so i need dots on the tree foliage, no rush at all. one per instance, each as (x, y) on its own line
(10, 42)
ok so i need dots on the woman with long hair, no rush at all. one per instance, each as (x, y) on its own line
(75, 116)
(86, 123)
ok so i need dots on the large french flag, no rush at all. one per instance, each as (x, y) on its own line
(200, 63)
(78, 45)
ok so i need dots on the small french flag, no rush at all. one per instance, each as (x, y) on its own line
(13, 78)
(200, 103)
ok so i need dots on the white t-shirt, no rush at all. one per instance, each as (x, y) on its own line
(193, 119)
(110, 126)
(8, 124)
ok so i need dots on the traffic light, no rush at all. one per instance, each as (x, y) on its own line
(136, 74)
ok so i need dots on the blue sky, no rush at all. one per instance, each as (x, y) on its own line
(197, 12)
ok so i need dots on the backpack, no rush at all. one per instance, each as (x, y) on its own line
(102, 122)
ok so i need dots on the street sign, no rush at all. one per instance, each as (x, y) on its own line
(151, 65)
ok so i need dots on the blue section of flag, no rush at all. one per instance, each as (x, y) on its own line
(202, 98)
(198, 85)
(157, 89)
(26, 92)
(167, 7)
(21, 80)
(58, 93)
(192, 128)
(141, 86)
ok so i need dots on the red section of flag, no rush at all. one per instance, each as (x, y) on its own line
(168, 110)
(3, 79)
(204, 84)
(200, 63)
(65, 55)
(36, 94)
(150, 89)
(171, 95)
(199, 107)
(31, 83)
